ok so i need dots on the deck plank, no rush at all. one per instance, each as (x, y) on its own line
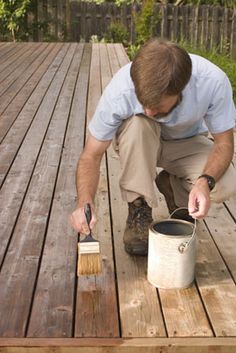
(17, 73)
(223, 230)
(7, 50)
(21, 262)
(19, 97)
(184, 313)
(96, 305)
(231, 203)
(12, 61)
(215, 284)
(14, 187)
(52, 311)
(183, 310)
(17, 83)
(133, 345)
(42, 129)
(16, 119)
(139, 306)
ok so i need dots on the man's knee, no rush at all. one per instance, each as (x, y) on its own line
(138, 126)
(225, 187)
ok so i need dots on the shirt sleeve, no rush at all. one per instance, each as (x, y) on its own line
(108, 116)
(221, 114)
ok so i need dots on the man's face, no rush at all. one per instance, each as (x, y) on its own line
(165, 107)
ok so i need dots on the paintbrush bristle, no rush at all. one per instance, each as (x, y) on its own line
(89, 262)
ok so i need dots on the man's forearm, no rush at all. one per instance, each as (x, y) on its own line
(219, 160)
(87, 179)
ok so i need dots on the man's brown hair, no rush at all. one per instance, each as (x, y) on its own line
(160, 68)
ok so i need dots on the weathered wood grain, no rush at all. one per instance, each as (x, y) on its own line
(19, 68)
(40, 295)
(133, 345)
(52, 310)
(183, 310)
(139, 306)
(223, 230)
(7, 50)
(14, 110)
(26, 244)
(18, 82)
(10, 145)
(10, 62)
(96, 304)
(217, 289)
(13, 190)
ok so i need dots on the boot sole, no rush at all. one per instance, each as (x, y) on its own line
(136, 250)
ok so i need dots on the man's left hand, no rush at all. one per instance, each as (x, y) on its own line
(199, 199)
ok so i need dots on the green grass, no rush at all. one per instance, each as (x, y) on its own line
(227, 64)
(223, 61)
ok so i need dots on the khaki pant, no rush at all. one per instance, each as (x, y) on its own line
(141, 150)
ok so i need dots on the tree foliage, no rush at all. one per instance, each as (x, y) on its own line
(224, 3)
(12, 15)
(145, 21)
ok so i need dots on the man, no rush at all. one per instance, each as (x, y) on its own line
(158, 110)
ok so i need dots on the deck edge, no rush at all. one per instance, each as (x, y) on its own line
(115, 342)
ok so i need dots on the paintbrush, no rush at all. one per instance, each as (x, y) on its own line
(89, 261)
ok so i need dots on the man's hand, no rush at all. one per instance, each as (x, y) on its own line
(218, 161)
(79, 222)
(199, 199)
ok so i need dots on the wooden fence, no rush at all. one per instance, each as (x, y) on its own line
(210, 26)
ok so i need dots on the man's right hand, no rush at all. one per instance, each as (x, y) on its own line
(78, 220)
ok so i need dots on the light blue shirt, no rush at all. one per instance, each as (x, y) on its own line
(207, 104)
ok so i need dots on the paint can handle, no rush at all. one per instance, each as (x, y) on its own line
(185, 245)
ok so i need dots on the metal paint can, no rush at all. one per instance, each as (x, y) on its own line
(171, 253)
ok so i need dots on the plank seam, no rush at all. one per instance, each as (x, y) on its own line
(111, 220)
(8, 51)
(205, 308)
(12, 51)
(27, 187)
(26, 132)
(76, 278)
(219, 251)
(30, 94)
(162, 313)
(6, 91)
(231, 214)
(17, 68)
(52, 199)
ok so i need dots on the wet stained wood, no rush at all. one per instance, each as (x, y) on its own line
(15, 185)
(22, 96)
(25, 112)
(49, 92)
(53, 305)
(96, 304)
(27, 241)
(16, 76)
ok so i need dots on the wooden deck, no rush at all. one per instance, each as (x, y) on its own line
(48, 92)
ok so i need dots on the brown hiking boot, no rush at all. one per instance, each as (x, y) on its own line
(164, 186)
(137, 227)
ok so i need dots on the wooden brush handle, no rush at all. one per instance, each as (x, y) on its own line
(88, 213)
